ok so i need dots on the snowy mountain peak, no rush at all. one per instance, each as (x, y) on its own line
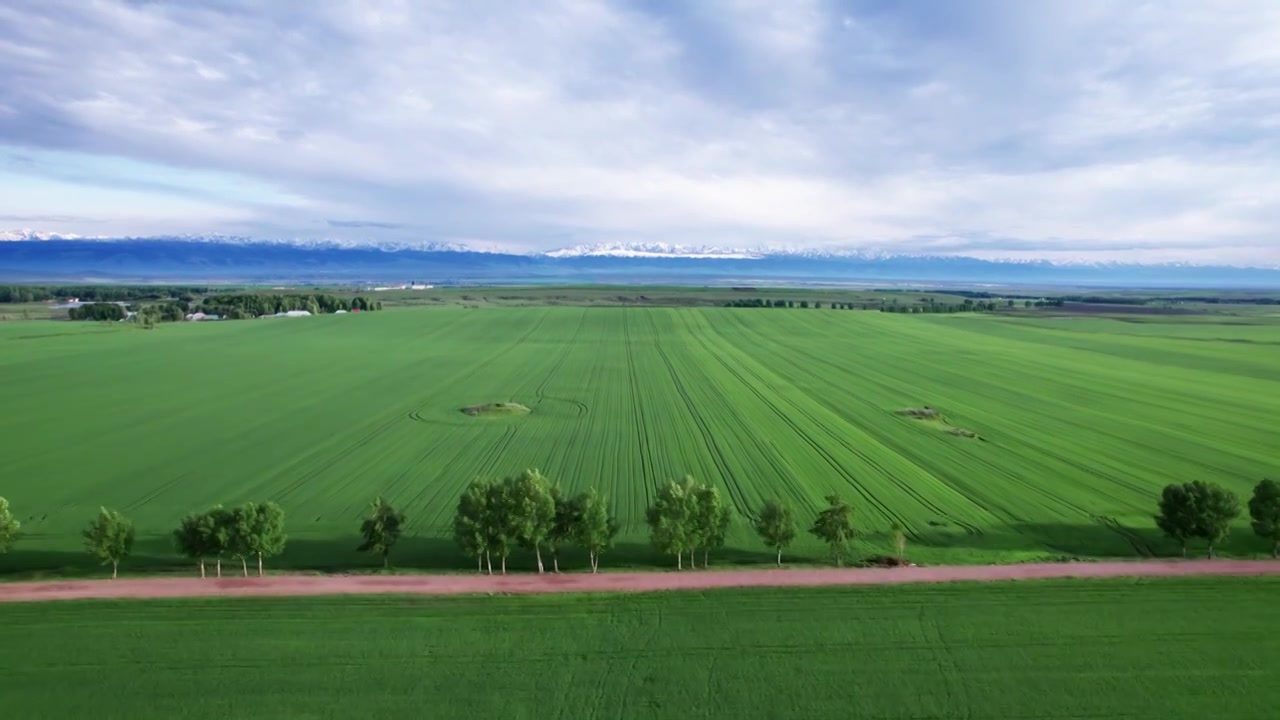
(27, 234)
(653, 250)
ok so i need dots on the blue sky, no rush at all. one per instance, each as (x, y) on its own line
(1119, 130)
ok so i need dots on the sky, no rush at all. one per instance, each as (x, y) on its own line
(1056, 129)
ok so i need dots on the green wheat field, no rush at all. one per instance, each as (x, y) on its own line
(1077, 424)
(1168, 649)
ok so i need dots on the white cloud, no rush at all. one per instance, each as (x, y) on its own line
(1094, 129)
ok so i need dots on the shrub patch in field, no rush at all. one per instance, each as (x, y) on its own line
(496, 409)
(922, 413)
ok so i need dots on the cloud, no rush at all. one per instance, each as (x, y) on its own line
(363, 224)
(1089, 129)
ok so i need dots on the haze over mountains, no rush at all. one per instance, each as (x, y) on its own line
(53, 257)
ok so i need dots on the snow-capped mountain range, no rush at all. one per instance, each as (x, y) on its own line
(27, 235)
(40, 255)
(589, 250)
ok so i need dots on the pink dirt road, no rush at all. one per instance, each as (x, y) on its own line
(300, 585)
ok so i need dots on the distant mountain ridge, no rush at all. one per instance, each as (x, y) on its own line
(53, 257)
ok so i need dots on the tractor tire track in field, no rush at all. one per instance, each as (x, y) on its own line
(647, 472)
(1045, 451)
(924, 501)
(1133, 539)
(496, 454)
(622, 582)
(967, 492)
(540, 391)
(398, 417)
(835, 464)
(154, 493)
(708, 436)
(774, 461)
(1140, 546)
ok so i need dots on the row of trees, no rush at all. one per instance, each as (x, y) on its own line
(687, 516)
(528, 511)
(250, 305)
(97, 293)
(492, 518)
(1204, 511)
(99, 311)
(802, 304)
(250, 530)
(967, 306)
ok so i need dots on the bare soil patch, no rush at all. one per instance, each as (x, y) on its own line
(310, 585)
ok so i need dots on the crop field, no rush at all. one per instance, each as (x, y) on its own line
(1077, 423)
(1187, 648)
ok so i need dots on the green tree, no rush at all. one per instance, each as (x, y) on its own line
(218, 526)
(1216, 508)
(532, 511)
(594, 526)
(381, 530)
(191, 541)
(834, 526)
(469, 529)
(899, 539)
(671, 520)
(711, 519)
(1178, 514)
(563, 526)
(1264, 511)
(109, 538)
(259, 531)
(776, 525)
(9, 526)
(501, 531)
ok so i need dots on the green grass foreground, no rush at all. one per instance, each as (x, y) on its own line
(1079, 423)
(1171, 648)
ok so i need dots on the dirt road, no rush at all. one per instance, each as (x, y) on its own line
(300, 585)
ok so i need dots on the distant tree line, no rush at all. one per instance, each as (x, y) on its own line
(933, 307)
(102, 311)
(149, 315)
(1214, 300)
(98, 293)
(528, 511)
(803, 304)
(250, 305)
(926, 305)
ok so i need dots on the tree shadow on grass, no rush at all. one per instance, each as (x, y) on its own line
(1103, 539)
(21, 563)
(155, 555)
